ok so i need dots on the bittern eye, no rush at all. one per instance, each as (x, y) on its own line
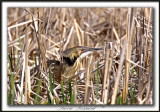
(83, 50)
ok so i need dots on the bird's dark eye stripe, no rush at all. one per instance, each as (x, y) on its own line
(69, 61)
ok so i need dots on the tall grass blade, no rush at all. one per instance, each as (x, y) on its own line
(54, 78)
(49, 100)
(12, 87)
(38, 90)
(97, 82)
(9, 98)
(12, 92)
(73, 98)
(132, 93)
(35, 60)
(50, 80)
(62, 90)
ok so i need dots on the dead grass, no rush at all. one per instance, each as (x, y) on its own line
(125, 67)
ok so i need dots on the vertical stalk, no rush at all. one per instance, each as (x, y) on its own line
(105, 73)
(26, 64)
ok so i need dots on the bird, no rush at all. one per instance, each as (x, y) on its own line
(70, 64)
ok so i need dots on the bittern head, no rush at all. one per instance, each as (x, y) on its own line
(78, 51)
(72, 54)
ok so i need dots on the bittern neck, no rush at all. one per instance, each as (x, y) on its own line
(85, 54)
(69, 61)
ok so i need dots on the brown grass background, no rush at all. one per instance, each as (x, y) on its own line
(125, 64)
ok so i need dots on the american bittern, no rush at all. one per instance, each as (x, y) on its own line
(70, 62)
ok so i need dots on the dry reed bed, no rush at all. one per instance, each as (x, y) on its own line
(121, 74)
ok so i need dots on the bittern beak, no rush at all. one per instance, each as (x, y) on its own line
(86, 51)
